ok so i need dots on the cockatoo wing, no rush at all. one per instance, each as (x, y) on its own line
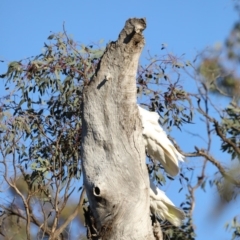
(157, 144)
(162, 207)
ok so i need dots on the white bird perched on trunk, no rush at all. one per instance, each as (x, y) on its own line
(162, 207)
(157, 144)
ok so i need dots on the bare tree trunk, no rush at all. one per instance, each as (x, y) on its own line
(115, 174)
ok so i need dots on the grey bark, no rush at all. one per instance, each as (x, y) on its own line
(113, 154)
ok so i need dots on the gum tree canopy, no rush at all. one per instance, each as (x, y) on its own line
(72, 110)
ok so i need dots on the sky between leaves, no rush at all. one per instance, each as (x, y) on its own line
(187, 27)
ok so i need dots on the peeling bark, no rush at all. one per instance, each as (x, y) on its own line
(113, 155)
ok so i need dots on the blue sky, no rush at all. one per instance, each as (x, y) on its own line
(185, 26)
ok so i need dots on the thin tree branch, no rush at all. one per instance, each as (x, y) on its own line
(72, 216)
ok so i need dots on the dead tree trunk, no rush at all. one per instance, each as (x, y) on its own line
(115, 174)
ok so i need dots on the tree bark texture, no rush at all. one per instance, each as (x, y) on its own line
(113, 153)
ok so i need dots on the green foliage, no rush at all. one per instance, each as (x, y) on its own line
(233, 43)
(218, 79)
(235, 227)
(231, 129)
(41, 117)
(157, 83)
(218, 66)
(46, 105)
(186, 231)
(219, 71)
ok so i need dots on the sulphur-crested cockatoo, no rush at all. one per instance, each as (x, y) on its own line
(162, 207)
(157, 144)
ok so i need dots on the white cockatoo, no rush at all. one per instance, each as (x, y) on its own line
(157, 144)
(162, 207)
